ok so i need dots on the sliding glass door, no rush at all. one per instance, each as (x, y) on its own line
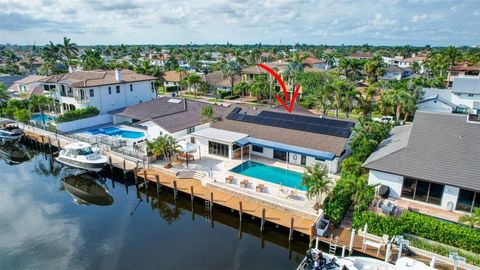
(422, 191)
(218, 149)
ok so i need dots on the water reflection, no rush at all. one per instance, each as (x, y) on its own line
(86, 190)
(14, 153)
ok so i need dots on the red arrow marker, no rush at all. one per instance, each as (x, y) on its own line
(284, 88)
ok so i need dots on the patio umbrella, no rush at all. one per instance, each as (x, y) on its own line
(187, 147)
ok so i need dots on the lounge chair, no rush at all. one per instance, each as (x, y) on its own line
(260, 188)
(229, 179)
(244, 183)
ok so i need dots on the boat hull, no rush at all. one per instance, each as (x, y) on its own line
(91, 167)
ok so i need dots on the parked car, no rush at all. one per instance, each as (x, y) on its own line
(385, 119)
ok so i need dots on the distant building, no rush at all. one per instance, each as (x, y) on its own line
(406, 62)
(360, 56)
(216, 81)
(466, 91)
(396, 73)
(106, 90)
(462, 70)
(28, 86)
(173, 78)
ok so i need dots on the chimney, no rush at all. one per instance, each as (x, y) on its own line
(118, 74)
(70, 69)
(185, 104)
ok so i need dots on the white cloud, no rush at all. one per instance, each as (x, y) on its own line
(419, 18)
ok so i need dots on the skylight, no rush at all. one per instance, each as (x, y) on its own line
(174, 100)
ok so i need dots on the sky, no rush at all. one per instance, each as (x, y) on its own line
(332, 22)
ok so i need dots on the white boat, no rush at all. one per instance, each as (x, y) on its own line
(10, 134)
(81, 155)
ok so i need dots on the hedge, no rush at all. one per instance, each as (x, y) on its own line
(172, 88)
(421, 225)
(336, 205)
(77, 114)
(231, 97)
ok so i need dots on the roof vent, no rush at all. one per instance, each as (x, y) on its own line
(118, 75)
(473, 118)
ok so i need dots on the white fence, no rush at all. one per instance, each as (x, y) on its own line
(85, 123)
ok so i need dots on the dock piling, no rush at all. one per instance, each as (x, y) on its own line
(174, 189)
(157, 178)
(290, 235)
(124, 168)
(191, 194)
(145, 179)
(109, 162)
(240, 211)
(211, 201)
(135, 175)
(262, 224)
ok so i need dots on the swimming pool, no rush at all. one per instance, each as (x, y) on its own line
(271, 174)
(46, 118)
(117, 132)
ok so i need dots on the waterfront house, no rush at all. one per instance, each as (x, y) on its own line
(27, 86)
(431, 163)
(463, 71)
(106, 90)
(166, 115)
(293, 138)
(466, 91)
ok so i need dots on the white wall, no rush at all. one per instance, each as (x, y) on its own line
(450, 194)
(120, 119)
(395, 182)
(154, 130)
(434, 106)
(101, 119)
(465, 99)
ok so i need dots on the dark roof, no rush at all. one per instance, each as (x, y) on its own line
(277, 127)
(437, 147)
(298, 109)
(172, 114)
(217, 79)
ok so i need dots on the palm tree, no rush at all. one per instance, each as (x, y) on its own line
(206, 114)
(351, 95)
(315, 178)
(351, 68)
(157, 146)
(399, 97)
(291, 70)
(68, 49)
(231, 69)
(241, 88)
(473, 219)
(4, 95)
(193, 80)
(374, 68)
(260, 87)
(452, 54)
(361, 191)
(40, 103)
(366, 102)
(338, 95)
(330, 60)
(92, 60)
(171, 146)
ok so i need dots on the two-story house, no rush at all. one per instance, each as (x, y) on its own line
(396, 73)
(107, 90)
(462, 70)
(466, 91)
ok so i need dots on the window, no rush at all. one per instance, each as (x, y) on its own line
(218, 149)
(190, 130)
(109, 90)
(303, 160)
(192, 139)
(281, 155)
(92, 93)
(470, 95)
(422, 191)
(131, 87)
(118, 89)
(467, 200)
(256, 148)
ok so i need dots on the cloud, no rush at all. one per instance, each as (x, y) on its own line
(212, 21)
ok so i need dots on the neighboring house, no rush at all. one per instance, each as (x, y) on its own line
(314, 63)
(360, 56)
(437, 100)
(463, 71)
(433, 161)
(216, 81)
(396, 73)
(292, 138)
(166, 115)
(106, 90)
(27, 86)
(466, 91)
(173, 78)
(406, 62)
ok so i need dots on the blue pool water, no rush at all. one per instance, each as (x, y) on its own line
(38, 118)
(271, 174)
(114, 131)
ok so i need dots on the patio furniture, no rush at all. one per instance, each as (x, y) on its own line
(229, 179)
(387, 207)
(373, 244)
(184, 156)
(244, 183)
(260, 188)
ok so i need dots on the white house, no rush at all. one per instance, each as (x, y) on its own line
(437, 100)
(396, 73)
(294, 138)
(173, 78)
(432, 161)
(105, 90)
(28, 86)
(173, 116)
(466, 91)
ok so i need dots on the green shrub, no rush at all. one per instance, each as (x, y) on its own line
(77, 114)
(336, 205)
(22, 115)
(424, 226)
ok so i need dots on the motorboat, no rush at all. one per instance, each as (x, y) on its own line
(83, 156)
(13, 154)
(315, 259)
(10, 134)
(85, 190)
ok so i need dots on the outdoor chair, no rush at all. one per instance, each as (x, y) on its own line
(229, 179)
(260, 188)
(244, 183)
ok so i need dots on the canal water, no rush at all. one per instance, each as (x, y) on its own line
(49, 220)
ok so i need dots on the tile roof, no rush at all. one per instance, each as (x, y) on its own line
(312, 61)
(321, 142)
(170, 116)
(439, 148)
(174, 76)
(279, 67)
(79, 79)
(217, 79)
(464, 67)
(466, 85)
(360, 55)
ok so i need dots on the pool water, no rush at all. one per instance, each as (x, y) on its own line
(271, 174)
(46, 118)
(114, 131)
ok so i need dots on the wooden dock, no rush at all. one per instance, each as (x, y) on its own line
(243, 205)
